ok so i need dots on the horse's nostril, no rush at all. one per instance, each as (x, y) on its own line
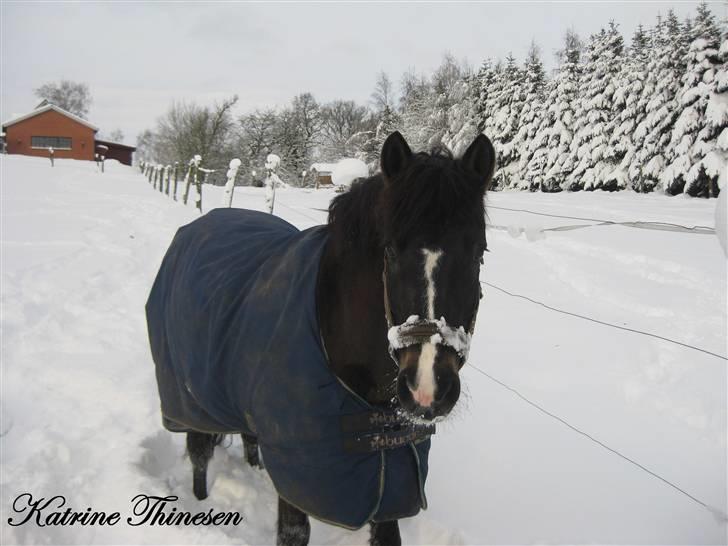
(444, 386)
(410, 378)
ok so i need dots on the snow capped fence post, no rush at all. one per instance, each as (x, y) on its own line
(176, 173)
(187, 181)
(271, 181)
(197, 182)
(150, 171)
(161, 178)
(227, 196)
(51, 153)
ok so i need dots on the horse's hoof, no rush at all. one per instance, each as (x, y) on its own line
(199, 484)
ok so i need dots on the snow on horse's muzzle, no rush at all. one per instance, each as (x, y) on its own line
(416, 331)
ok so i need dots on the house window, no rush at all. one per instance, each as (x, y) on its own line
(55, 142)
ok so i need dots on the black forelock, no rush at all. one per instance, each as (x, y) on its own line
(434, 192)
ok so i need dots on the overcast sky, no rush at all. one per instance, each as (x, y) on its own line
(139, 57)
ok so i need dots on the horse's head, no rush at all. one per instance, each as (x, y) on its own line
(433, 220)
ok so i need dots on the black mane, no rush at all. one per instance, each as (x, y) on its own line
(433, 192)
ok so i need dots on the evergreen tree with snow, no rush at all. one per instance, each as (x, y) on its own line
(530, 118)
(506, 107)
(696, 160)
(659, 102)
(627, 112)
(592, 165)
(553, 139)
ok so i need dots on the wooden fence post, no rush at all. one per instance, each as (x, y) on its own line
(176, 172)
(168, 172)
(187, 181)
(227, 196)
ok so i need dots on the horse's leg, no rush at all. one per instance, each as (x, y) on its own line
(250, 444)
(293, 526)
(385, 533)
(200, 446)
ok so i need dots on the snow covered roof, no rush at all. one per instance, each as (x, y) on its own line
(323, 167)
(114, 144)
(47, 108)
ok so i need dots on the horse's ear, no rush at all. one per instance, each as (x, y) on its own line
(480, 158)
(395, 155)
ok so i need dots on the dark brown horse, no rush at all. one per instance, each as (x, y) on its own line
(397, 297)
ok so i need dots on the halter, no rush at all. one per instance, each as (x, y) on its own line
(416, 330)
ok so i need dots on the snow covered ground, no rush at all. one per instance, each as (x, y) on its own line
(80, 410)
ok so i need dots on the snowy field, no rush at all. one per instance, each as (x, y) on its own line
(80, 410)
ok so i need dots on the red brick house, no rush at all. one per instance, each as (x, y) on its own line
(70, 136)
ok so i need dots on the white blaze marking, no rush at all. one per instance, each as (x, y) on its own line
(431, 259)
(425, 391)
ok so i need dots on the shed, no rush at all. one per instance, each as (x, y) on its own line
(115, 150)
(321, 174)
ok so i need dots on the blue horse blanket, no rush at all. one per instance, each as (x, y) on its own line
(235, 338)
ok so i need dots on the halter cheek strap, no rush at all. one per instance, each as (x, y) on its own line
(416, 330)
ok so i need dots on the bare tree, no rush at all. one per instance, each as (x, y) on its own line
(308, 117)
(383, 95)
(73, 97)
(117, 135)
(258, 136)
(145, 146)
(188, 129)
(340, 120)
(572, 49)
(448, 74)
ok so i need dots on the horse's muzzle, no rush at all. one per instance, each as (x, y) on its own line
(428, 386)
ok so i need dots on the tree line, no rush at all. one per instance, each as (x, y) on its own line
(651, 115)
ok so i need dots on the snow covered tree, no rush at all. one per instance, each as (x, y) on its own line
(533, 111)
(446, 80)
(506, 107)
(461, 116)
(696, 160)
(627, 112)
(415, 109)
(659, 102)
(553, 138)
(594, 110)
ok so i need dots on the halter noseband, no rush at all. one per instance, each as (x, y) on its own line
(416, 330)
